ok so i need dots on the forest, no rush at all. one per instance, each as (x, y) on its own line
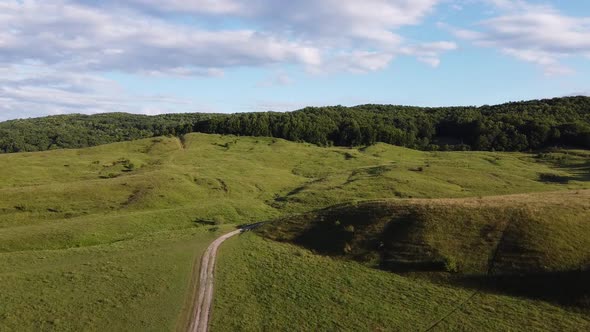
(515, 126)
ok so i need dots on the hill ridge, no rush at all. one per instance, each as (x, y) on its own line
(515, 126)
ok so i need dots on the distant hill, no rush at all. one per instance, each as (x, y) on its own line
(517, 126)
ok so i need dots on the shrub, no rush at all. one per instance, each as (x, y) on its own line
(552, 177)
(219, 220)
(451, 265)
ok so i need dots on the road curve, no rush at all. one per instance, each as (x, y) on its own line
(200, 317)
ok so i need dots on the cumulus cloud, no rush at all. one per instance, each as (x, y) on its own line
(72, 42)
(194, 6)
(331, 20)
(534, 33)
(91, 39)
(301, 32)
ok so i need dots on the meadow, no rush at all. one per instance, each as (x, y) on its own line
(273, 286)
(106, 237)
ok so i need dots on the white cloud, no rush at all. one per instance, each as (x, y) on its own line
(121, 36)
(87, 38)
(368, 20)
(194, 6)
(534, 33)
(356, 62)
(73, 41)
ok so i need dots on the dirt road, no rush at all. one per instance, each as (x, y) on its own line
(200, 317)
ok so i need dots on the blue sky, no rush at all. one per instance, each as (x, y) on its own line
(151, 56)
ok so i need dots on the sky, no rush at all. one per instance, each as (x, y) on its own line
(226, 56)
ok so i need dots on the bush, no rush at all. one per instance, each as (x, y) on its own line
(451, 265)
(219, 220)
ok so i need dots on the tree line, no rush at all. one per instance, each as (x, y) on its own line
(79, 131)
(516, 126)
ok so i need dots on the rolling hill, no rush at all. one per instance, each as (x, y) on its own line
(106, 237)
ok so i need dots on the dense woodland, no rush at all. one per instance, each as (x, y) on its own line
(518, 126)
(78, 131)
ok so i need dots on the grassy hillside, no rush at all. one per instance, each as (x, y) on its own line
(532, 245)
(274, 286)
(543, 232)
(106, 236)
(132, 285)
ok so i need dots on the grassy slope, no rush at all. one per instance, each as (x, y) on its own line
(136, 230)
(273, 286)
(526, 233)
(131, 285)
(510, 251)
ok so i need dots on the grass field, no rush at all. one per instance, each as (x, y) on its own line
(105, 237)
(130, 285)
(541, 233)
(272, 286)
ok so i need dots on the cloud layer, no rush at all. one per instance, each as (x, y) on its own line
(55, 55)
(75, 41)
(148, 36)
(534, 33)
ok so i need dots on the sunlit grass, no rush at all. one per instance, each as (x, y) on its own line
(140, 228)
(274, 286)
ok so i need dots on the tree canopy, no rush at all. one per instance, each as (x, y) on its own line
(516, 126)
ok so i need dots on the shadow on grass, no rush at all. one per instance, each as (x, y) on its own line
(570, 288)
(554, 178)
(393, 238)
(578, 172)
(581, 171)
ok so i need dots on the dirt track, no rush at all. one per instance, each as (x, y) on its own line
(200, 317)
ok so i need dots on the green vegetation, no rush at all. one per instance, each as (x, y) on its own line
(543, 232)
(276, 287)
(79, 131)
(520, 126)
(105, 237)
(508, 127)
(500, 241)
(136, 284)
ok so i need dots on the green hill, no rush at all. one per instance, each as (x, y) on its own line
(521, 237)
(544, 232)
(517, 126)
(106, 237)
(275, 286)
